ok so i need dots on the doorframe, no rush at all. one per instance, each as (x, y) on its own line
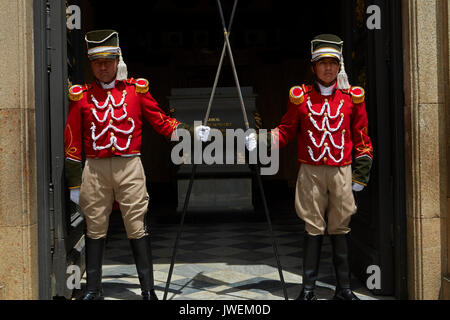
(60, 240)
(386, 71)
(399, 180)
(43, 154)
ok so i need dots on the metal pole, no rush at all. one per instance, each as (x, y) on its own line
(186, 202)
(233, 67)
(219, 69)
(253, 167)
(194, 167)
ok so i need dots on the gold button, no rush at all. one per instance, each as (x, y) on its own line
(92, 109)
(309, 115)
(124, 104)
(342, 101)
(343, 131)
(92, 123)
(326, 100)
(326, 144)
(342, 115)
(124, 91)
(113, 149)
(111, 121)
(324, 130)
(129, 119)
(112, 134)
(109, 92)
(309, 98)
(131, 136)
(325, 159)
(326, 114)
(309, 131)
(110, 105)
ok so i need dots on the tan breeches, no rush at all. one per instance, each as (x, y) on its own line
(324, 199)
(117, 178)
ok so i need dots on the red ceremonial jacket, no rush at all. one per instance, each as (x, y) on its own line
(328, 128)
(109, 122)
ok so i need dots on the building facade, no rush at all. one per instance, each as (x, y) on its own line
(31, 196)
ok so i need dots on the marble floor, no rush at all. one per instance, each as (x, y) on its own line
(219, 259)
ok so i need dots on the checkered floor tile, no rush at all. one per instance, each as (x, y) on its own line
(219, 260)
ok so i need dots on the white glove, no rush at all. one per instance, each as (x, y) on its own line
(250, 142)
(75, 195)
(202, 133)
(357, 187)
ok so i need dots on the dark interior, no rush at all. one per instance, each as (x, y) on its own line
(177, 44)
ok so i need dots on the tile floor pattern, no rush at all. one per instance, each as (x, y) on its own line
(220, 261)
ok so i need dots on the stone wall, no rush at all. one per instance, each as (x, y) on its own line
(18, 209)
(426, 103)
(427, 122)
(446, 54)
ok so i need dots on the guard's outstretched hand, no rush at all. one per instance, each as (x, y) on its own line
(202, 133)
(250, 142)
(357, 187)
(75, 195)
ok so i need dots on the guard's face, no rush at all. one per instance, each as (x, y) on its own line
(326, 70)
(104, 69)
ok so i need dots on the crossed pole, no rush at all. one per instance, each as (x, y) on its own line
(254, 168)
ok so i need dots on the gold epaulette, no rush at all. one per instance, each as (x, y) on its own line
(142, 85)
(76, 92)
(358, 94)
(296, 95)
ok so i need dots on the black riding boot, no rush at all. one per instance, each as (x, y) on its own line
(341, 265)
(94, 260)
(142, 253)
(311, 257)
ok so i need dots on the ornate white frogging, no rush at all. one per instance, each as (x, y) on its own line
(341, 147)
(325, 126)
(326, 105)
(111, 110)
(327, 123)
(110, 97)
(327, 149)
(113, 140)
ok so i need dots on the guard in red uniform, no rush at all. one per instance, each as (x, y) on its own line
(105, 118)
(335, 156)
